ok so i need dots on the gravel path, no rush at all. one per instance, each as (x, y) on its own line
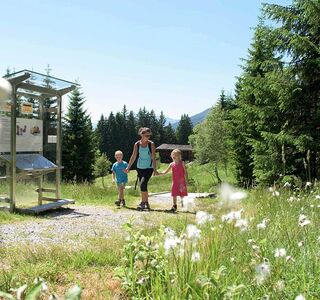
(78, 223)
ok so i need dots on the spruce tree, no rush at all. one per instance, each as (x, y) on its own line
(184, 130)
(78, 141)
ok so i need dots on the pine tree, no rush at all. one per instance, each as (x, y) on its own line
(298, 37)
(170, 135)
(78, 141)
(184, 130)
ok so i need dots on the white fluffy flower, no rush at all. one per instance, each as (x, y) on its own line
(188, 203)
(280, 252)
(263, 224)
(228, 193)
(193, 233)
(287, 184)
(308, 183)
(242, 224)
(203, 217)
(262, 272)
(300, 297)
(232, 215)
(171, 243)
(303, 221)
(275, 193)
(169, 232)
(195, 256)
(318, 197)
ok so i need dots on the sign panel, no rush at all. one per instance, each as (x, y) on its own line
(52, 139)
(28, 133)
(26, 108)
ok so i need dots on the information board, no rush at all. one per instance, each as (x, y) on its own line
(28, 133)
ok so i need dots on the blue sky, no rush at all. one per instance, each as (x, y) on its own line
(171, 56)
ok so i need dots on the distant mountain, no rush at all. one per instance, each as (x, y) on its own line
(170, 120)
(198, 118)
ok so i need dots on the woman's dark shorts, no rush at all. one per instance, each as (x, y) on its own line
(144, 175)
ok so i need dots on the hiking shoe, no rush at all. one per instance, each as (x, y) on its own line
(174, 208)
(123, 203)
(147, 205)
(117, 202)
(141, 206)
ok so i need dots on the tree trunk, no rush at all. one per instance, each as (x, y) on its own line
(216, 172)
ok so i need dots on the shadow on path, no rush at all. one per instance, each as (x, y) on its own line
(169, 211)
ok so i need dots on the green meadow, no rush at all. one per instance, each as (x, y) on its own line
(264, 246)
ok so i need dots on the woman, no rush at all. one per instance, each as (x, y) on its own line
(145, 150)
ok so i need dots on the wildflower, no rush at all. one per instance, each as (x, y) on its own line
(193, 233)
(308, 183)
(270, 189)
(233, 215)
(203, 217)
(300, 297)
(275, 193)
(303, 221)
(171, 243)
(169, 232)
(262, 272)
(188, 203)
(262, 225)
(289, 258)
(280, 252)
(301, 243)
(280, 285)
(229, 194)
(291, 199)
(242, 224)
(237, 196)
(318, 197)
(141, 280)
(287, 184)
(232, 259)
(250, 241)
(195, 256)
(256, 249)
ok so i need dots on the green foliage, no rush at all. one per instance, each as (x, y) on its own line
(102, 167)
(211, 139)
(184, 130)
(78, 141)
(272, 221)
(38, 290)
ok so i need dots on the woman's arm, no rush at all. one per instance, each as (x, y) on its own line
(153, 158)
(132, 158)
(166, 170)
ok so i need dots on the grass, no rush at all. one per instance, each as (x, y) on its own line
(236, 262)
(231, 253)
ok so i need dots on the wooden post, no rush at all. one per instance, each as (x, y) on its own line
(13, 149)
(58, 147)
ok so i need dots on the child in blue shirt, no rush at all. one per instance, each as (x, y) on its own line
(122, 178)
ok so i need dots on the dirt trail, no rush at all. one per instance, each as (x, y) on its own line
(65, 226)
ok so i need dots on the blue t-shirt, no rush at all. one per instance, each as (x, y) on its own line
(118, 169)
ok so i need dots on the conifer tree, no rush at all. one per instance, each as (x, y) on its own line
(78, 141)
(184, 130)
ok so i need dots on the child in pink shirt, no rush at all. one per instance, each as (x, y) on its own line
(179, 178)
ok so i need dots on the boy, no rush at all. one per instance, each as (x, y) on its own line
(122, 178)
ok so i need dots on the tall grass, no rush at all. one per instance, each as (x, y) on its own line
(267, 250)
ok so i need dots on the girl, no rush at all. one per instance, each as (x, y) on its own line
(179, 178)
(145, 150)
